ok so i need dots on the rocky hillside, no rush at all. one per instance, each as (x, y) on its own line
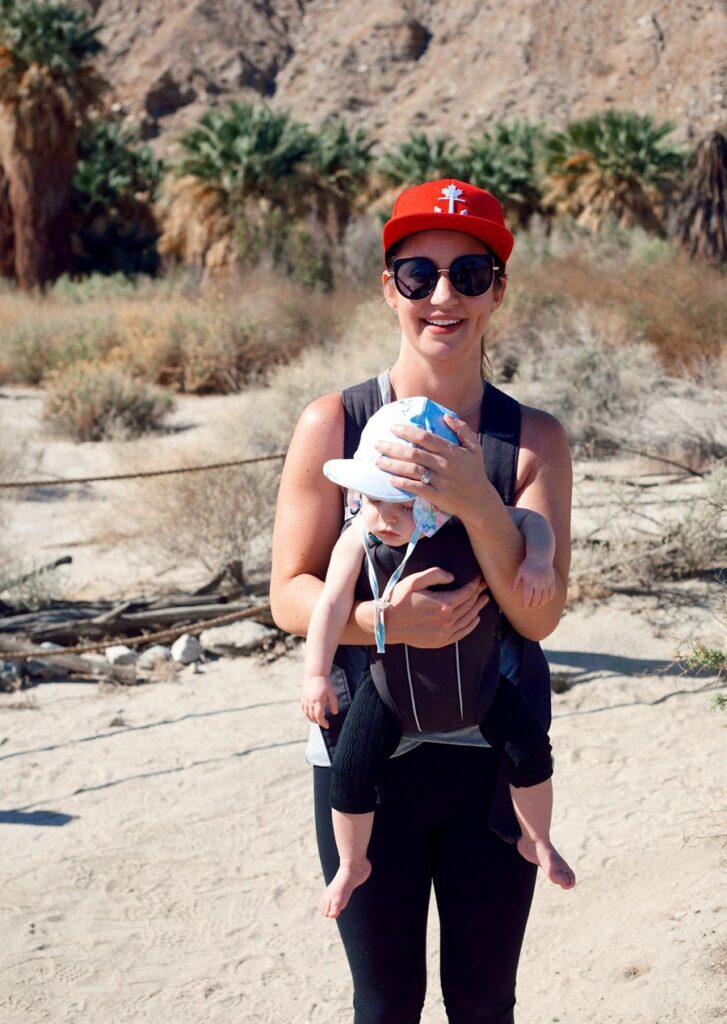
(394, 65)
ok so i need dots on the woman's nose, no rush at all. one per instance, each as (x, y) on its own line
(444, 292)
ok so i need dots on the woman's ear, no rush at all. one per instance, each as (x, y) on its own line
(387, 283)
(498, 292)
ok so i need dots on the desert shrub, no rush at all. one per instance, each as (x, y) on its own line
(90, 403)
(661, 297)
(675, 546)
(177, 336)
(213, 518)
(42, 343)
(93, 287)
(27, 587)
(221, 516)
(578, 371)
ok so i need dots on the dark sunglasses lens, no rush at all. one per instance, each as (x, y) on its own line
(472, 275)
(415, 277)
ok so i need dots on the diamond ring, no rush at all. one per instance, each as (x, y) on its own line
(426, 478)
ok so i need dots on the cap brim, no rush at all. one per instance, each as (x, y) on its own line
(356, 475)
(497, 237)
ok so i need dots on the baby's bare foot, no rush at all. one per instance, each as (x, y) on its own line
(347, 878)
(544, 854)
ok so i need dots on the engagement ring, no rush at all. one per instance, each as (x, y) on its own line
(426, 478)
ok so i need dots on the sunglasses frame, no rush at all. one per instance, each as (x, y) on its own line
(443, 270)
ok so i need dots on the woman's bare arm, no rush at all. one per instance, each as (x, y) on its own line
(544, 484)
(458, 484)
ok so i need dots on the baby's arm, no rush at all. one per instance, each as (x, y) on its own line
(536, 570)
(330, 615)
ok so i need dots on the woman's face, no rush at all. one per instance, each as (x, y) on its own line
(445, 324)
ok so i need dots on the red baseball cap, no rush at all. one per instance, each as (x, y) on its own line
(450, 205)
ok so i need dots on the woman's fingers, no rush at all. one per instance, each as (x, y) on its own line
(430, 578)
(412, 469)
(430, 619)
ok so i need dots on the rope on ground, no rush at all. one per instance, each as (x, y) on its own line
(136, 641)
(7, 484)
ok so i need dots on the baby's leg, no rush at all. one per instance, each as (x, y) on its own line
(534, 807)
(513, 731)
(369, 736)
(352, 832)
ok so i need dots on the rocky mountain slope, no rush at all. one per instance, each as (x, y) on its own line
(395, 65)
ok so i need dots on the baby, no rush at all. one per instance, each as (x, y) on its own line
(411, 690)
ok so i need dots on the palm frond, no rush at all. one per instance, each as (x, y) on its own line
(614, 163)
(421, 157)
(505, 160)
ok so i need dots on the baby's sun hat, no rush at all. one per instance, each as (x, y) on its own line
(361, 475)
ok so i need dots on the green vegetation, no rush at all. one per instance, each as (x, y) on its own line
(114, 186)
(89, 403)
(507, 161)
(616, 164)
(421, 157)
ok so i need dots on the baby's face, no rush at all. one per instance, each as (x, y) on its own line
(391, 521)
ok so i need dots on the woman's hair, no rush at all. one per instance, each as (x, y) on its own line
(500, 275)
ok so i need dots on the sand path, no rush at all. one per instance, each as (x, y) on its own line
(159, 859)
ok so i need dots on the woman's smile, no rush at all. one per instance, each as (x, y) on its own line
(441, 326)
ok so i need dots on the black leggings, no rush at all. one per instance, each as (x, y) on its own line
(431, 827)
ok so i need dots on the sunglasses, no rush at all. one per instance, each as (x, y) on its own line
(416, 277)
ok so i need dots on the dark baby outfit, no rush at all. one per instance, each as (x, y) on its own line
(409, 689)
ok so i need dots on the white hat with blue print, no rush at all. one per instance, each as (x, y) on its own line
(361, 473)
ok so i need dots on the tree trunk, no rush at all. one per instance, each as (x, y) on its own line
(39, 165)
(7, 238)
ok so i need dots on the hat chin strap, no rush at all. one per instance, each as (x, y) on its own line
(381, 602)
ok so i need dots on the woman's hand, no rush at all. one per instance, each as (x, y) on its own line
(425, 618)
(457, 482)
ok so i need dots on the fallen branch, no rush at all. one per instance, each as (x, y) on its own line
(147, 638)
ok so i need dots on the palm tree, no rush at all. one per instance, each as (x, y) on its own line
(700, 221)
(47, 84)
(339, 170)
(615, 164)
(420, 158)
(250, 152)
(7, 239)
(114, 188)
(506, 160)
(240, 168)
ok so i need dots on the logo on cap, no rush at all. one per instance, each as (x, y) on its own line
(452, 194)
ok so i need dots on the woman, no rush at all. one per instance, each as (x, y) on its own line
(432, 827)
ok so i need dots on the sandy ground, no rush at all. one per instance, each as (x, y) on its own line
(159, 861)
